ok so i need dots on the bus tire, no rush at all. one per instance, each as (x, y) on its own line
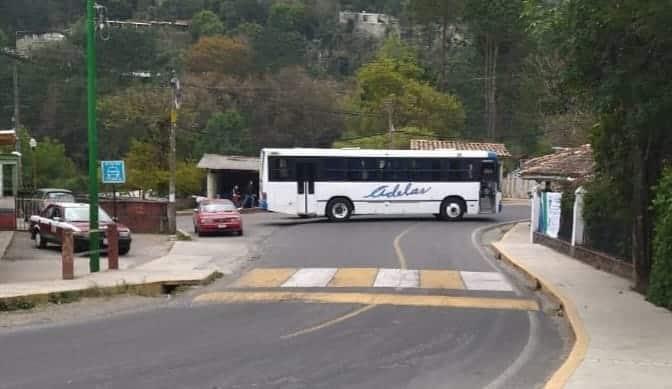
(453, 209)
(339, 209)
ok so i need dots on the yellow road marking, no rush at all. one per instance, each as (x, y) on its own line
(354, 277)
(440, 279)
(264, 278)
(371, 299)
(579, 350)
(330, 322)
(397, 247)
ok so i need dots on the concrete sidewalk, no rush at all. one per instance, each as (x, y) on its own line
(622, 341)
(176, 268)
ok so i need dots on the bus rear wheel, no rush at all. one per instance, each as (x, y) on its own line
(339, 209)
(452, 209)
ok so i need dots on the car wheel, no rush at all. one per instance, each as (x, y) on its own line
(339, 209)
(240, 233)
(40, 243)
(452, 209)
(123, 250)
(195, 229)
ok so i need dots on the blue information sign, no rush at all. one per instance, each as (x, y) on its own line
(114, 172)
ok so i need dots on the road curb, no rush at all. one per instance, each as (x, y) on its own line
(580, 347)
(3, 248)
(64, 296)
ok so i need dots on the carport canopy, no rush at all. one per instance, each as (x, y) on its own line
(225, 171)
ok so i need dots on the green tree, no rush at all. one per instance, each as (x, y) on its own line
(390, 92)
(179, 9)
(497, 25)
(235, 12)
(225, 133)
(400, 139)
(286, 16)
(3, 39)
(618, 58)
(442, 13)
(188, 179)
(206, 23)
(140, 112)
(48, 164)
(660, 291)
(219, 56)
(145, 168)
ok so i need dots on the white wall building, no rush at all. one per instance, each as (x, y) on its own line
(375, 24)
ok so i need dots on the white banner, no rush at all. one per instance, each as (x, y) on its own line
(549, 213)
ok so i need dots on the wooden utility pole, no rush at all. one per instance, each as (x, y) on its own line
(174, 106)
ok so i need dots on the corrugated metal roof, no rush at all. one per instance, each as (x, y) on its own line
(427, 144)
(570, 163)
(228, 162)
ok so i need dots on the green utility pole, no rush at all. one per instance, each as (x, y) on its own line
(94, 234)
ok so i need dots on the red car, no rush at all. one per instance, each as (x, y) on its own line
(213, 216)
(45, 228)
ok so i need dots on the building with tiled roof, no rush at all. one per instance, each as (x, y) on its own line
(428, 144)
(566, 164)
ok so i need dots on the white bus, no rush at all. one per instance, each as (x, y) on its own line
(339, 183)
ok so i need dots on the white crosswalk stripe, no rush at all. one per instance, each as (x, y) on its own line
(485, 281)
(375, 278)
(397, 278)
(310, 278)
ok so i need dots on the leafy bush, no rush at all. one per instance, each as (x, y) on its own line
(660, 288)
(608, 220)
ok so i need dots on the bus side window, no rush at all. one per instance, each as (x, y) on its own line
(281, 169)
(334, 169)
(356, 171)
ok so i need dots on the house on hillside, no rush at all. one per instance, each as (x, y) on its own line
(29, 42)
(373, 24)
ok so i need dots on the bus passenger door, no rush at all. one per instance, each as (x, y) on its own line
(306, 201)
(489, 191)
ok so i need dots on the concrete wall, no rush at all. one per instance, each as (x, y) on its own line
(514, 187)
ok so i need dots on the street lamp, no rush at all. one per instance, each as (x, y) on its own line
(33, 145)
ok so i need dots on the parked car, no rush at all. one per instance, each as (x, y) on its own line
(44, 228)
(41, 198)
(213, 216)
(52, 195)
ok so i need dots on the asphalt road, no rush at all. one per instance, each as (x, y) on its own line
(268, 344)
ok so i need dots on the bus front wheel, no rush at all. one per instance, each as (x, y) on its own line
(339, 209)
(452, 209)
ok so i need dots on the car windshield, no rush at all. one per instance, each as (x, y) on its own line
(218, 207)
(81, 214)
(61, 197)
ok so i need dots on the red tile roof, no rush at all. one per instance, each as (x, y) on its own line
(424, 144)
(570, 163)
(7, 138)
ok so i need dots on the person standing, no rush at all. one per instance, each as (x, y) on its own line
(235, 196)
(250, 196)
